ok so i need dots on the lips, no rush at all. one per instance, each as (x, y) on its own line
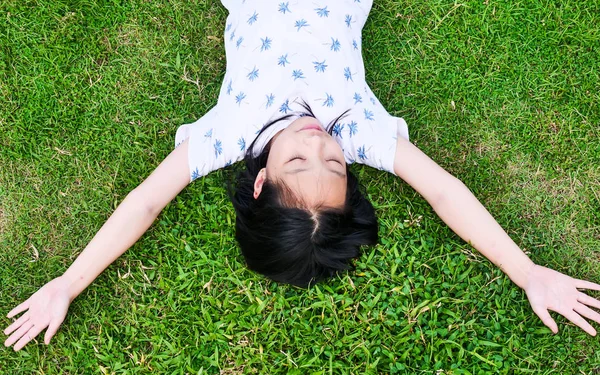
(312, 127)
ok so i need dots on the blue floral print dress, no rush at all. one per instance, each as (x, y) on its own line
(282, 52)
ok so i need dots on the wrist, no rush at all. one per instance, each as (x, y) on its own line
(530, 273)
(521, 272)
(72, 285)
(62, 285)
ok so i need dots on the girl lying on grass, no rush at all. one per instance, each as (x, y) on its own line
(296, 107)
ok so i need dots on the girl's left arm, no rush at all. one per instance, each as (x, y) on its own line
(454, 203)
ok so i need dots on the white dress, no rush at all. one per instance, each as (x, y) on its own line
(281, 52)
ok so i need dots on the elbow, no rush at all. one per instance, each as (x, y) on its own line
(447, 191)
(143, 202)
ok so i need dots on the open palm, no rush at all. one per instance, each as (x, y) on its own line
(45, 308)
(551, 290)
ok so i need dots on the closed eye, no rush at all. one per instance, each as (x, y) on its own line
(297, 157)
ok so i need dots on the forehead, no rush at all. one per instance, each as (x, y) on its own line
(322, 189)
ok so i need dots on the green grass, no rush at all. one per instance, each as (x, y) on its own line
(502, 94)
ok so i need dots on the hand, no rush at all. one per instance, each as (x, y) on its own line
(551, 290)
(45, 308)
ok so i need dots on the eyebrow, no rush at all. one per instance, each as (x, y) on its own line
(294, 171)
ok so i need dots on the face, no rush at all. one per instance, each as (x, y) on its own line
(308, 160)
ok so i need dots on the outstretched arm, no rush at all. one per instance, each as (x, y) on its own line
(48, 306)
(465, 215)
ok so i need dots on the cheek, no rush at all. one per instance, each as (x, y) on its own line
(276, 154)
(337, 148)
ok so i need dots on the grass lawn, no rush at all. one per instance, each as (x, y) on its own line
(504, 95)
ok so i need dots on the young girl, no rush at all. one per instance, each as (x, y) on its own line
(295, 105)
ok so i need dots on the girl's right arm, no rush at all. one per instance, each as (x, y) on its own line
(48, 306)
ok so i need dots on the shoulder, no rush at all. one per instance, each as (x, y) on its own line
(216, 140)
(371, 142)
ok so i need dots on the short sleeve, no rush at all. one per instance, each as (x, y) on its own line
(212, 144)
(374, 143)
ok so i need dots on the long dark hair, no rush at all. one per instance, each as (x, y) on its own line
(289, 243)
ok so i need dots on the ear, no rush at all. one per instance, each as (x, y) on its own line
(259, 182)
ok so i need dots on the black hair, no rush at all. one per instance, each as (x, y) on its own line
(293, 244)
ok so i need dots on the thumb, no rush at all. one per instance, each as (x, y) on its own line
(544, 315)
(51, 331)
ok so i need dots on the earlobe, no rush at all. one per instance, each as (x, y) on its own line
(259, 182)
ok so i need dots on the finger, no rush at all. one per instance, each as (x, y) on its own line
(51, 331)
(587, 300)
(580, 322)
(27, 337)
(582, 284)
(19, 309)
(586, 312)
(18, 334)
(16, 324)
(544, 315)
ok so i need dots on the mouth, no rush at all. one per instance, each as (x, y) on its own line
(312, 127)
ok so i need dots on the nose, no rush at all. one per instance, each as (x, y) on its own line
(315, 140)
